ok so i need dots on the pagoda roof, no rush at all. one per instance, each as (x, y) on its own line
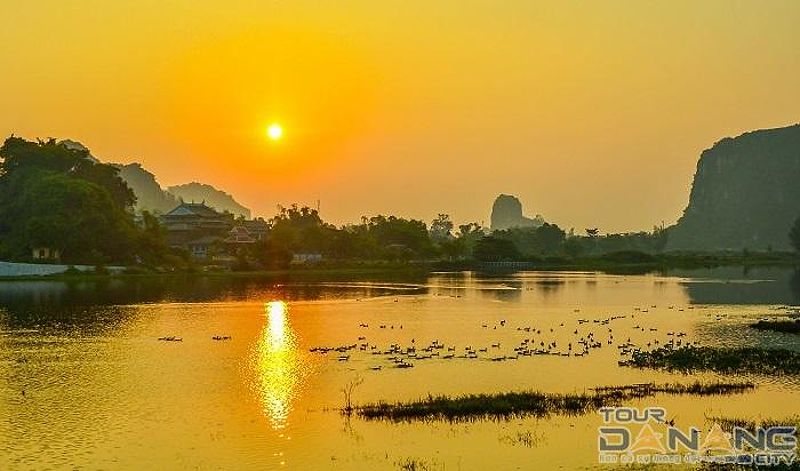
(194, 209)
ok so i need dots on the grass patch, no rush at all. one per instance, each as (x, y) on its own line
(728, 423)
(790, 327)
(741, 360)
(532, 403)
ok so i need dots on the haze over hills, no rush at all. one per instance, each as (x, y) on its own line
(152, 197)
(213, 197)
(149, 194)
(745, 194)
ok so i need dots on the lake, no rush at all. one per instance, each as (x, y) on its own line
(86, 383)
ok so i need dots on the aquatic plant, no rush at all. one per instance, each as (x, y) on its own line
(722, 360)
(347, 392)
(533, 403)
(728, 423)
(791, 327)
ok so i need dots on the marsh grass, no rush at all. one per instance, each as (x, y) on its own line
(741, 360)
(509, 405)
(417, 464)
(787, 326)
(728, 423)
(525, 438)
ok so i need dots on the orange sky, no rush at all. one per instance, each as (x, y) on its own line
(593, 113)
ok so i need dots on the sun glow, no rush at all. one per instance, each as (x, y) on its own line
(277, 365)
(275, 131)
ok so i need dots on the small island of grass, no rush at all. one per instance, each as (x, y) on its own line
(741, 360)
(785, 326)
(532, 403)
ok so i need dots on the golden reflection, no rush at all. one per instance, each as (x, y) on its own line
(277, 364)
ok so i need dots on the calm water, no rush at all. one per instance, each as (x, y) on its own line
(85, 382)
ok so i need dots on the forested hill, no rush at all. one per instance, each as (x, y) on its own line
(745, 194)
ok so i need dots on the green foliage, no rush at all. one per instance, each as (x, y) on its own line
(742, 360)
(744, 194)
(441, 227)
(794, 235)
(394, 234)
(77, 217)
(270, 255)
(56, 197)
(628, 257)
(21, 157)
(573, 247)
(301, 230)
(515, 404)
(495, 249)
(786, 326)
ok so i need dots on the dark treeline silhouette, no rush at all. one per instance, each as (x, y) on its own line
(60, 198)
(301, 230)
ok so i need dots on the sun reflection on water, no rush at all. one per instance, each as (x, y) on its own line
(277, 364)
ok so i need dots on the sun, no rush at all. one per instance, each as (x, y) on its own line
(275, 131)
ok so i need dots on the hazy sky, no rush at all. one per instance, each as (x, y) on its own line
(593, 113)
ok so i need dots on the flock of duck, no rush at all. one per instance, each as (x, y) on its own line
(173, 338)
(588, 335)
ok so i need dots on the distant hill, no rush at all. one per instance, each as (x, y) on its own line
(507, 213)
(149, 194)
(217, 199)
(745, 194)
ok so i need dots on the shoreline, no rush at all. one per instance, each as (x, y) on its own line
(654, 263)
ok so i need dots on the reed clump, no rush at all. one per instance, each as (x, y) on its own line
(741, 360)
(533, 403)
(786, 326)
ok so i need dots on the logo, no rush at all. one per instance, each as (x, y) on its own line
(644, 436)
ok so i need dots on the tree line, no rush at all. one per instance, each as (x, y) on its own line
(61, 198)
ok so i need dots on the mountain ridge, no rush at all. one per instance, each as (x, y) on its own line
(745, 194)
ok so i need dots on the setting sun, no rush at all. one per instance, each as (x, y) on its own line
(275, 132)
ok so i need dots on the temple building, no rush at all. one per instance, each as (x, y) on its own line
(205, 232)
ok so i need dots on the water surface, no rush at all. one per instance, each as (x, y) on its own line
(85, 382)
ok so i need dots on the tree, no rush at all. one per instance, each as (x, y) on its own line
(794, 235)
(299, 229)
(393, 233)
(468, 235)
(59, 197)
(573, 247)
(441, 227)
(495, 249)
(545, 240)
(270, 255)
(77, 217)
